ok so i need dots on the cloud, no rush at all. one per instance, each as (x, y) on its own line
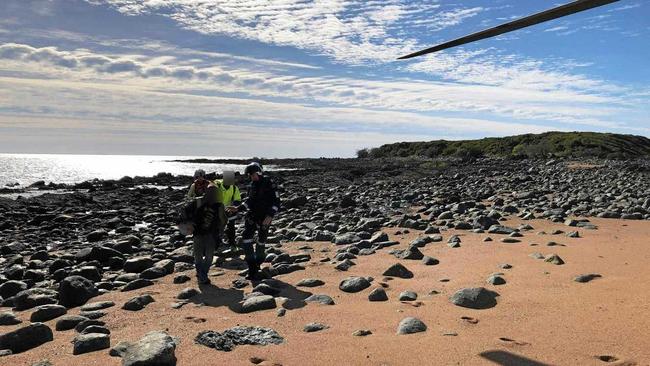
(479, 84)
(348, 32)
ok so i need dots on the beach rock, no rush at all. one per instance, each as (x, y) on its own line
(398, 270)
(76, 291)
(408, 296)
(187, 293)
(257, 303)
(11, 288)
(93, 314)
(69, 322)
(138, 303)
(496, 280)
(33, 297)
(321, 299)
(412, 252)
(347, 238)
(153, 273)
(475, 298)
(361, 333)
(154, 349)
(87, 323)
(137, 284)
(9, 318)
(240, 335)
(181, 279)
(411, 325)
(429, 261)
(138, 264)
(26, 338)
(354, 284)
(97, 235)
(44, 313)
(378, 294)
(95, 329)
(97, 306)
(586, 277)
(90, 342)
(314, 327)
(554, 259)
(310, 282)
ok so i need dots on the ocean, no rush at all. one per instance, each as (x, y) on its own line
(20, 170)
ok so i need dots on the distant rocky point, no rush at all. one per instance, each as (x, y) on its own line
(545, 145)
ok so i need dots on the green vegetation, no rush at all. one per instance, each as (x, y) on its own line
(545, 145)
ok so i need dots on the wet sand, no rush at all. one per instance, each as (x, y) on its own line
(542, 317)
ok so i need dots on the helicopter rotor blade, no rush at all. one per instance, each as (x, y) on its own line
(546, 15)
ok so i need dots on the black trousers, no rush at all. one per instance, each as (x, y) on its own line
(254, 258)
(230, 233)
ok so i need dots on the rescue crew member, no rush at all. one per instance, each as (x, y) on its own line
(261, 204)
(231, 197)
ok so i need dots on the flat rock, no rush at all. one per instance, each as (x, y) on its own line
(411, 325)
(69, 322)
(257, 303)
(554, 259)
(361, 333)
(138, 303)
(354, 284)
(44, 313)
(240, 335)
(181, 278)
(155, 348)
(314, 327)
(9, 318)
(90, 342)
(187, 293)
(475, 298)
(26, 338)
(586, 277)
(137, 284)
(97, 306)
(310, 282)
(321, 299)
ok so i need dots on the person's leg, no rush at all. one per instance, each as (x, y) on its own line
(199, 251)
(247, 245)
(230, 233)
(260, 247)
(210, 245)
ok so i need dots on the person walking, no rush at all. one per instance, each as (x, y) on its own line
(231, 197)
(261, 204)
(209, 223)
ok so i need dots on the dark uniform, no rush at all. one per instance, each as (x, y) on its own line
(262, 200)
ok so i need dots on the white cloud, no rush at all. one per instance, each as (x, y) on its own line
(522, 91)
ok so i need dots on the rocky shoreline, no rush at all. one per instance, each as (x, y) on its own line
(58, 251)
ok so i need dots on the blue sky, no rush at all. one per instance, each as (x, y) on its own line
(308, 78)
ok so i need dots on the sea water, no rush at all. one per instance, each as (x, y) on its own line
(21, 170)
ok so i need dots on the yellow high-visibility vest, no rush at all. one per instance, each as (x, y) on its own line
(228, 195)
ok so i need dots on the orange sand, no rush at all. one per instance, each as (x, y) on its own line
(544, 316)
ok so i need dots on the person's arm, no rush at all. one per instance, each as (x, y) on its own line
(191, 193)
(236, 196)
(275, 205)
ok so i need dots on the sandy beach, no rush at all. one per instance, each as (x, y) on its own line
(542, 316)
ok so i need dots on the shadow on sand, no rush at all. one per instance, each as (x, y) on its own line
(214, 296)
(509, 359)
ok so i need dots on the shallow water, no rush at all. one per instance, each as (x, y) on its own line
(25, 169)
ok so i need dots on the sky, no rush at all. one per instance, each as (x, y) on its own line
(278, 78)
